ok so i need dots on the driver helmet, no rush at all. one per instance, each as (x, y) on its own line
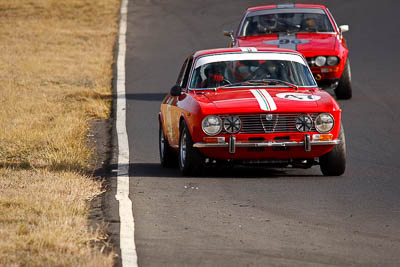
(270, 69)
(311, 23)
(268, 21)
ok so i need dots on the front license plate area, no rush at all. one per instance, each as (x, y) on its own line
(281, 148)
(256, 149)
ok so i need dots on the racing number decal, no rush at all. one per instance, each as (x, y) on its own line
(298, 96)
(287, 41)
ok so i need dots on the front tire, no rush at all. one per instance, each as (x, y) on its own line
(333, 163)
(167, 157)
(344, 88)
(189, 158)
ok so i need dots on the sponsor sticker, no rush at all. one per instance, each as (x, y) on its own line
(298, 96)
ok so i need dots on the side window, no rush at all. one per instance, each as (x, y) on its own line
(187, 72)
(181, 73)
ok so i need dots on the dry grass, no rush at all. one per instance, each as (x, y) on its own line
(47, 225)
(55, 76)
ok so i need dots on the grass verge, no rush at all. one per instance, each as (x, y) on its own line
(55, 77)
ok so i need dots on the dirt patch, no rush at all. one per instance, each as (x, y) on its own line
(100, 140)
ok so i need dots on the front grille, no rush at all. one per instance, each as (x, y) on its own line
(275, 123)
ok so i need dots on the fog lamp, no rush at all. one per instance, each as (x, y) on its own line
(214, 139)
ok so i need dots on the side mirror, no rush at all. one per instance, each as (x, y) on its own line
(229, 34)
(344, 28)
(176, 90)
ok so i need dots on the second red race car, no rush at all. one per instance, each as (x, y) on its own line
(307, 28)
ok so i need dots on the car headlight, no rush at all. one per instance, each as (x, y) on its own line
(232, 124)
(324, 122)
(332, 60)
(211, 125)
(304, 123)
(320, 61)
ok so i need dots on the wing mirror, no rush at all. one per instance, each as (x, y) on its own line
(229, 34)
(176, 90)
(344, 28)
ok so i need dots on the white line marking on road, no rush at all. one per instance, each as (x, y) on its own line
(127, 224)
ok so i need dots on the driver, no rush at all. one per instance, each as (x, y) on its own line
(287, 22)
(267, 70)
(214, 73)
(310, 24)
(267, 23)
(244, 69)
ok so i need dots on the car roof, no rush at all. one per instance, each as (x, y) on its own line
(243, 50)
(286, 6)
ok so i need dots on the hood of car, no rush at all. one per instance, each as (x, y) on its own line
(256, 100)
(301, 42)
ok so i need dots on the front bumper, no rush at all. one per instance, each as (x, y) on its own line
(233, 144)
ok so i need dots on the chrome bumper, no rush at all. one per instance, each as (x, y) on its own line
(233, 144)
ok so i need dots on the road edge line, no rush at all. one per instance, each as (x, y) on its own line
(127, 223)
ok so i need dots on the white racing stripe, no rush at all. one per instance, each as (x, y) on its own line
(263, 104)
(211, 58)
(264, 99)
(270, 100)
(249, 49)
(127, 224)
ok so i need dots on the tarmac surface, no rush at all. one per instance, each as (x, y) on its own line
(264, 217)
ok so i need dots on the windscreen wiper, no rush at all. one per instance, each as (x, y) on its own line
(269, 81)
(244, 83)
(260, 82)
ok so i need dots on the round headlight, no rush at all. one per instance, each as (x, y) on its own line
(232, 124)
(304, 123)
(324, 122)
(320, 61)
(332, 60)
(211, 125)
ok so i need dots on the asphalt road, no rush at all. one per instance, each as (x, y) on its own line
(258, 217)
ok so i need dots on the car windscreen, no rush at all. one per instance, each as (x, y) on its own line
(287, 20)
(216, 71)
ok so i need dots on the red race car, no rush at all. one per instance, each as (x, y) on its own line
(250, 106)
(309, 29)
